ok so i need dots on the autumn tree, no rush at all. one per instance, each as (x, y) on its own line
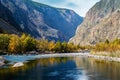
(29, 43)
(42, 45)
(107, 41)
(64, 47)
(51, 46)
(4, 42)
(14, 44)
(57, 47)
(71, 47)
(22, 40)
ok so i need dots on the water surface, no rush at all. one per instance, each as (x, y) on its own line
(63, 68)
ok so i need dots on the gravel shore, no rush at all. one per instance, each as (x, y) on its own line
(106, 58)
(23, 58)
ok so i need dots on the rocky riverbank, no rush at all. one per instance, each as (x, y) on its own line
(106, 58)
(2, 60)
(24, 58)
(85, 54)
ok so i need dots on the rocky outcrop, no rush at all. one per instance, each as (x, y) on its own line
(39, 20)
(101, 22)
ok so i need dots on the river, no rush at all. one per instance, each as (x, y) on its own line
(62, 68)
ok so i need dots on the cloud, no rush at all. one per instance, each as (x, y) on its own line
(79, 6)
(72, 5)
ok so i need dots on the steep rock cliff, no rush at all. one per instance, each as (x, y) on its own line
(101, 22)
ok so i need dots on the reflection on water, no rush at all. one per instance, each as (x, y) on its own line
(65, 68)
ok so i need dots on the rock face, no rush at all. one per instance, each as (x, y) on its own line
(39, 20)
(6, 27)
(101, 22)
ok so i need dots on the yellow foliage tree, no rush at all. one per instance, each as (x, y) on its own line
(14, 44)
(29, 43)
(22, 40)
(42, 45)
(51, 46)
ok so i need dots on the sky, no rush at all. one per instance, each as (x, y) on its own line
(79, 6)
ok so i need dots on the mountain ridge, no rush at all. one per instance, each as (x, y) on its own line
(39, 20)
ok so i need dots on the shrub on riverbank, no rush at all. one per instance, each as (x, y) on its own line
(11, 43)
(107, 48)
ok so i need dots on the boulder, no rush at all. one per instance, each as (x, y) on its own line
(18, 64)
(2, 60)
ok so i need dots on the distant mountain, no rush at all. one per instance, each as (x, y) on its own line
(101, 22)
(39, 20)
